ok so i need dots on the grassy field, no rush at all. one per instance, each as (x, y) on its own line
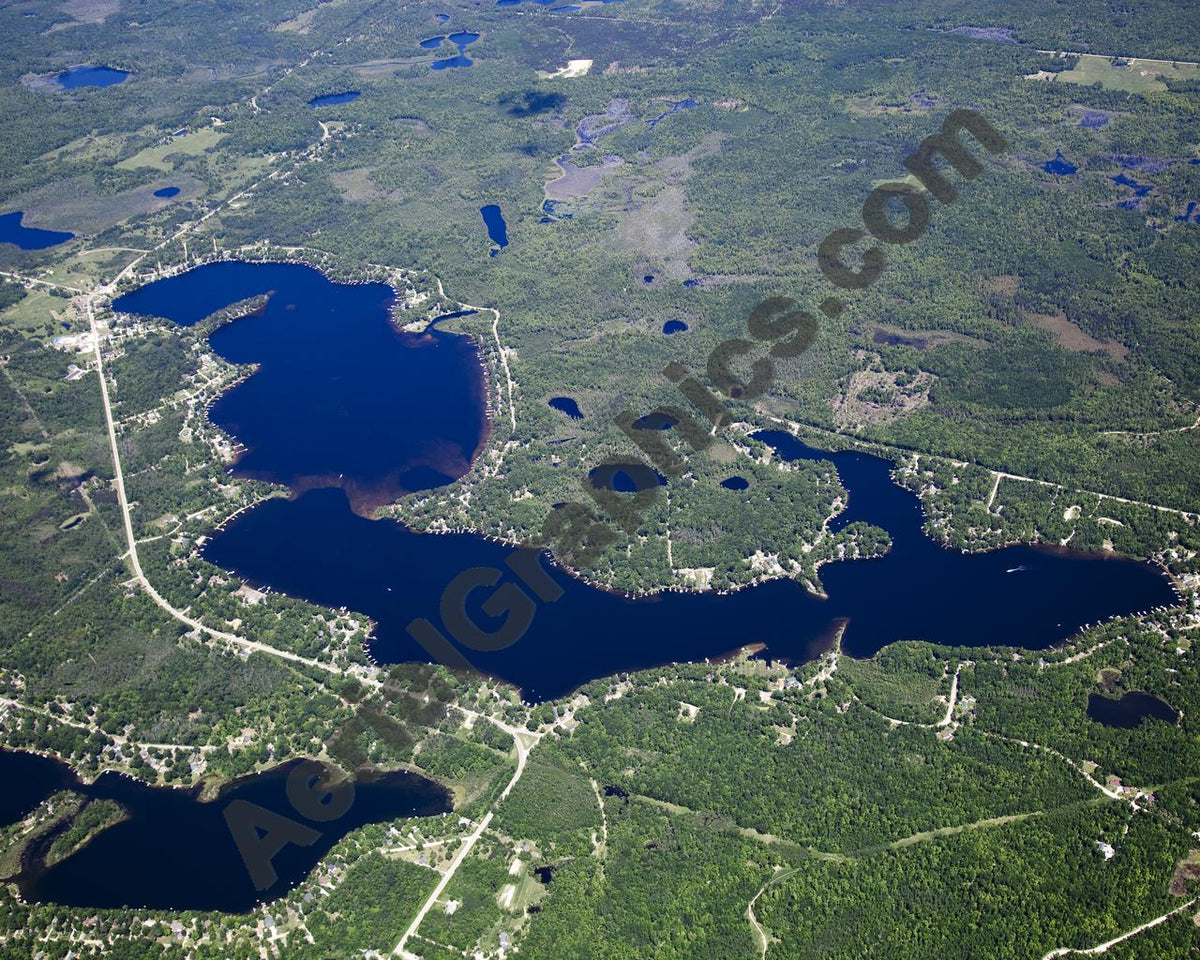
(38, 316)
(158, 156)
(1132, 76)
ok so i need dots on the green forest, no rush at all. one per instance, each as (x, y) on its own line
(1029, 365)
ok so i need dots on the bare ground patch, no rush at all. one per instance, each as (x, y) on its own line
(1185, 871)
(657, 230)
(1070, 337)
(878, 106)
(885, 335)
(85, 11)
(681, 166)
(879, 396)
(1003, 284)
(374, 68)
(416, 125)
(576, 181)
(356, 185)
(574, 68)
(302, 23)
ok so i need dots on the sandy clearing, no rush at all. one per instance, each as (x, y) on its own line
(574, 68)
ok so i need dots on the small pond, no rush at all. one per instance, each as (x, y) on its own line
(462, 40)
(1139, 189)
(332, 99)
(497, 229)
(625, 477)
(654, 421)
(568, 406)
(1129, 711)
(1059, 166)
(79, 77)
(454, 315)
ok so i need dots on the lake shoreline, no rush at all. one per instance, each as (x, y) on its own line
(141, 817)
(208, 789)
(383, 493)
(387, 641)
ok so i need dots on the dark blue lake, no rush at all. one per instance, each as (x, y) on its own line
(674, 326)
(316, 547)
(1130, 710)
(175, 852)
(497, 229)
(625, 477)
(654, 421)
(462, 40)
(1027, 596)
(735, 483)
(342, 397)
(568, 406)
(85, 76)
(452, 63)
(166, 192)
(29, 238)
(1059, 166)
(1024, 596)
(332, 99)
(28, 780)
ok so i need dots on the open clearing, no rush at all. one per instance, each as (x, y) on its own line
(1113, 73)
(85, 11)
(1070, 337)
(302, 23)
(190, 144)
(574, 68)
(576, 181)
